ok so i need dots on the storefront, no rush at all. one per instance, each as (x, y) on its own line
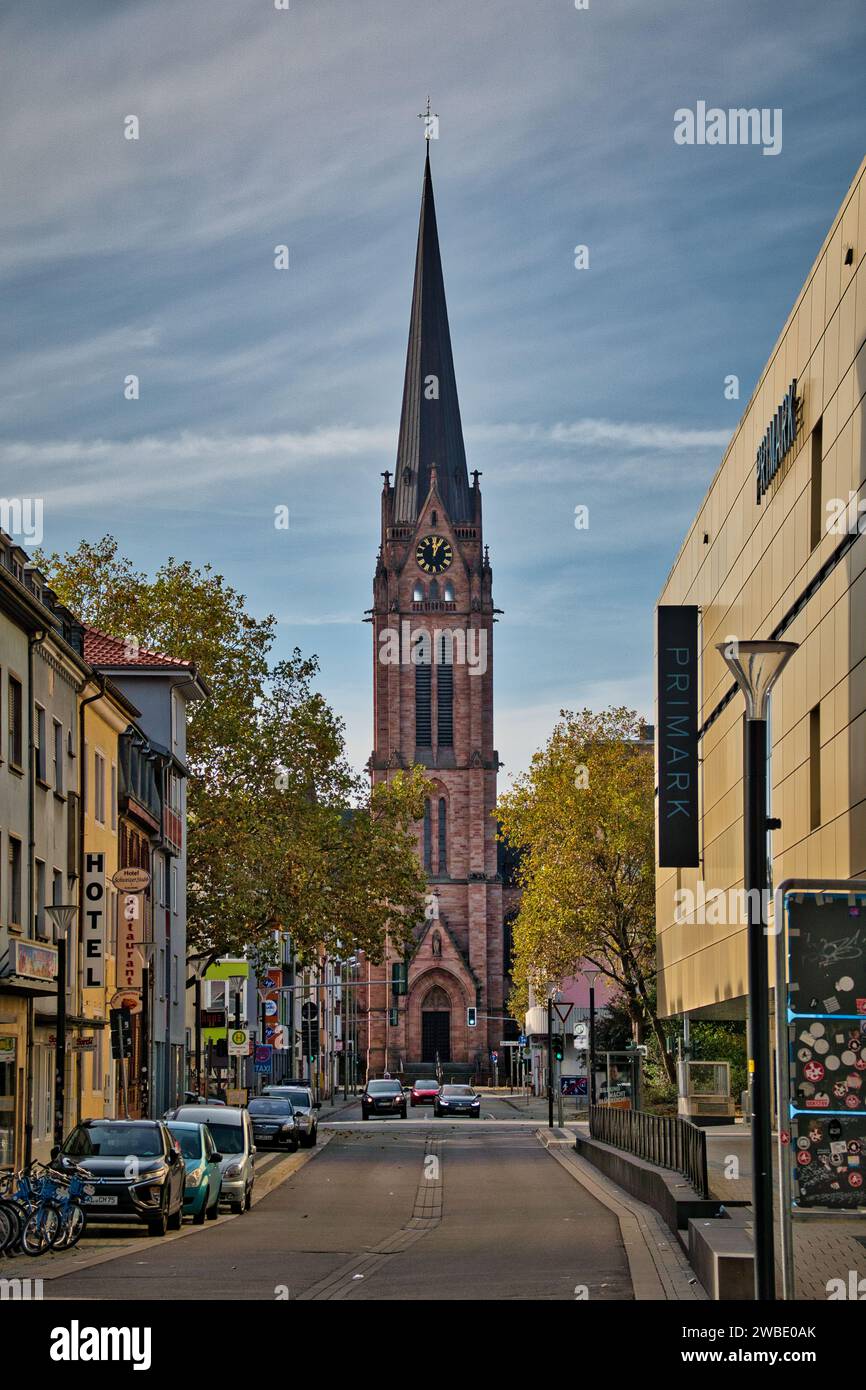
(29, 971)
(775, 551)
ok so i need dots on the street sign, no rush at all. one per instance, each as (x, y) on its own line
(563, 1011)
(581, 1036)
(521, 1041)
(239, 1042)
(131, 880)
(264, 1053)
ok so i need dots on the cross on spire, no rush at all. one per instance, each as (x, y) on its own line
(431, 121)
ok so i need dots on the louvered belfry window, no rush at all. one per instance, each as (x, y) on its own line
(423, 719)
(445, 694)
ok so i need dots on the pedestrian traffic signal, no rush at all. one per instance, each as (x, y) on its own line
(558, 1048)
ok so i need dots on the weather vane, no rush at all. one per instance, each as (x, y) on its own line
(431, 122)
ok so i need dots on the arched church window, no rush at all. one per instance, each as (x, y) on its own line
(449, 591)
(418, 592)
(423, 705)
(434, 590)
(443, 836)
(428, 838)
(434, 519)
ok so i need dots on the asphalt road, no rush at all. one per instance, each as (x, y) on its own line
(425, 1210)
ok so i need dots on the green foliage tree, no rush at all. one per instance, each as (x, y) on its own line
(283, 836)
(583, 819)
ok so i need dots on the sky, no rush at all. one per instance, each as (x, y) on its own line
(261, 388)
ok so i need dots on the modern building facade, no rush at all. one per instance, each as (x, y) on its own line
(432, 620)
(777, 551)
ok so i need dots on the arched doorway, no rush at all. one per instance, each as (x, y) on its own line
(436, 1026)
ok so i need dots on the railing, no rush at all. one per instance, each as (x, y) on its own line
(664, 1140)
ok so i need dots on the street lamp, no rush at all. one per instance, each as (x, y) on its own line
(756, 666)
(63, 916)
(591, 973)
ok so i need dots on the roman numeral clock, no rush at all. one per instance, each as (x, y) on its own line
(433, 554)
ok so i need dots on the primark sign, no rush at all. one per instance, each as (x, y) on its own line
(778, 439)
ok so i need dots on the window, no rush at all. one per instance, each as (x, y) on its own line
(449, 591)
(15, 882)
(815, 767)
(58, 757)
(84, 780)
(428, 838)
(445, 694)
(114, 796)
(174, 888)
(418, 592)
(15, 730)
(159, 880)
(40, 751)
(56, 886)
(816, 518)
(423, 719)
(40, 900)
(173, 706)
(99, 787)
(175, 975)
(443, 836)
(434, 590)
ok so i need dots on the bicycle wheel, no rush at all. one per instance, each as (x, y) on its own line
(8, 1227)
(41, 1229)
(72, 1227)
(13, 1216)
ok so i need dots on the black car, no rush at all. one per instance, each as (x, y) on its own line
(137, 1172)
(305, 1107)
(275, 1122)
(457, 1100)
(383, 1098)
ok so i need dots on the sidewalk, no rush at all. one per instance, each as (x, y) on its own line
(534, 1107)
(825, 1248)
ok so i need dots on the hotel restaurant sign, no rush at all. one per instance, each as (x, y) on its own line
(778, 439)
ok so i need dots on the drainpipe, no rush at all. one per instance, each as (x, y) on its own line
(33, 641)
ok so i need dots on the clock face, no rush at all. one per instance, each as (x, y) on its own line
(434, 554)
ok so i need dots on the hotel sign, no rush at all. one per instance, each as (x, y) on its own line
(677, 736)
(93, 935)
(778, 439)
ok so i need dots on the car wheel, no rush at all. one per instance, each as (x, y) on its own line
(436, 1111)
(314, 1137)
(175, 1220)
(214, 1211)
(248, 1199)
(403, 1113)
(364, 1115)
(159, 1226)
(199, 1216)
(237, 1208)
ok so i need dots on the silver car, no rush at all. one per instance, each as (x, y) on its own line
(233, 1135)
(304, 1105)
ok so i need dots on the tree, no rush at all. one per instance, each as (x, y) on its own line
(282, 835)
(583, 819)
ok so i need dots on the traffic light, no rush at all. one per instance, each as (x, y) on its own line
(310, 1029)
(558, 1048)
(472, 1017)
(399, 979)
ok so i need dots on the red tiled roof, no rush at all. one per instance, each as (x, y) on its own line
(102, 650)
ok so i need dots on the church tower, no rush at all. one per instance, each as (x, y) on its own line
(432, 621)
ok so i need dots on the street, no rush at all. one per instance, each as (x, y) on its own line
(415, 1209)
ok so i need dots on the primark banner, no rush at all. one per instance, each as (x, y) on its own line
(677, 735)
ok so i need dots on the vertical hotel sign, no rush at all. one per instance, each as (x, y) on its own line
(677, 736)
(95, 898)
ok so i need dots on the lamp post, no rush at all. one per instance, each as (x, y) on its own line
(756, 666)
(591, 973)
(63, 916)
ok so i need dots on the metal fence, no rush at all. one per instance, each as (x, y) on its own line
(664, 1140)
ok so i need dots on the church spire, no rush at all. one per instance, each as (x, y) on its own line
(430, 428)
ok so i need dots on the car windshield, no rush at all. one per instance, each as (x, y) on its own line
(383, 1088)
(271, 1105)
(229, 1139)
(115, 1141)
(300, 1098)
(189, 1138)
(426, 1085)
(457, 1091)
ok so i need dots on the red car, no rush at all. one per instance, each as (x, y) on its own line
(424, 1093)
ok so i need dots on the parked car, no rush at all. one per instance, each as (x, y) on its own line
(275, 1122)
(136, 1169)
(305, 1107)
(232, 1132)
(203, 1173)
(383, 1098)
(193, 1098)
(423, 1093)
(457, 1100)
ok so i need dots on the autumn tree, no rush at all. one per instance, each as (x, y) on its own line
(583, 818)
(282, 835)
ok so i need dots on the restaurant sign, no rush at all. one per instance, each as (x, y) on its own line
(778, 439)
